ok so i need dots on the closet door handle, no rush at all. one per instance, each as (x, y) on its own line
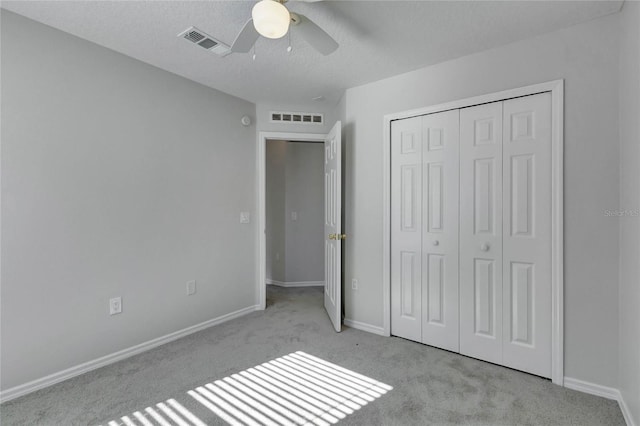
(485, 247)
(436, 242)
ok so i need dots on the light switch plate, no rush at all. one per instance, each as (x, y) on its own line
(245, 217)
(115, 305)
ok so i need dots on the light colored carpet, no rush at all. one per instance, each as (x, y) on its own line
(430, 386)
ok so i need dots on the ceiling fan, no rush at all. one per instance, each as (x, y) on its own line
(272, 19)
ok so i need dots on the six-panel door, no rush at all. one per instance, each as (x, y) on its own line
(333, 225)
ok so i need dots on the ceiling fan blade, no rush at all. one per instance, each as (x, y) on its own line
(316, 36)
(245, 39)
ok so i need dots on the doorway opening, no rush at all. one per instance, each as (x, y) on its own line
(330, 214)
(294, 213)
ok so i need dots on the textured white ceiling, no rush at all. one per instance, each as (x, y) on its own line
(377, 39)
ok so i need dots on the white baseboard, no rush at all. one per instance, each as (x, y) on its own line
(17, 391)
(295, 283)
(626, 412)
(364, 326)
(603, 391)
(591, 388)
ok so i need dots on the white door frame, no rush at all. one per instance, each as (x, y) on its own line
(556, 88)
(261, 229)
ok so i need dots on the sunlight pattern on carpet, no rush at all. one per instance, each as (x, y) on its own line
(171, 413)
(296, 389)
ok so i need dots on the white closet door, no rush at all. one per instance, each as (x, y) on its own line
(440, 177)
(481, 232)
(406, 228)
(527, 234)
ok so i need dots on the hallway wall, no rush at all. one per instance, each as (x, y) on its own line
(295, 186)
(276, 160)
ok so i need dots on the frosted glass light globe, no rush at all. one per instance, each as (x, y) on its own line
(270, 18)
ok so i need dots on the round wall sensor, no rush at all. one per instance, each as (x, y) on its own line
(246, 120)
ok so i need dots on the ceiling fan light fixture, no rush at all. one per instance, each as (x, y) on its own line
(270, 18)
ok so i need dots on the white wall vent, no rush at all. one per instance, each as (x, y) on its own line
(296, 117)
(205, 41)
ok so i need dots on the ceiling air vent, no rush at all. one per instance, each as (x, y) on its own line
(296, 117)
(205, 41)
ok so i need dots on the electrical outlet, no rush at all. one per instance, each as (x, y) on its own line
(115, 305)
(354, 284)
(191, 288)
(294, 216)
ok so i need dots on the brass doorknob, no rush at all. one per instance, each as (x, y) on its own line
(332, 236)
(341, 236)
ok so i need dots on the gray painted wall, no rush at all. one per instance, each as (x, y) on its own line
(629, 351)
(118, 179)
(276, 160)
(586, 56)
(295, 183)
(305, 195)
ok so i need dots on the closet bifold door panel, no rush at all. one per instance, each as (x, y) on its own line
(527, 234)
(440, 186)
(481, 328)
(505, 233)
(424, 217)
(406, 228)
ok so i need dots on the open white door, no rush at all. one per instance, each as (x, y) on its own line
(333, 225)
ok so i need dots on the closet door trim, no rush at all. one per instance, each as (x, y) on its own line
(556, 88)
